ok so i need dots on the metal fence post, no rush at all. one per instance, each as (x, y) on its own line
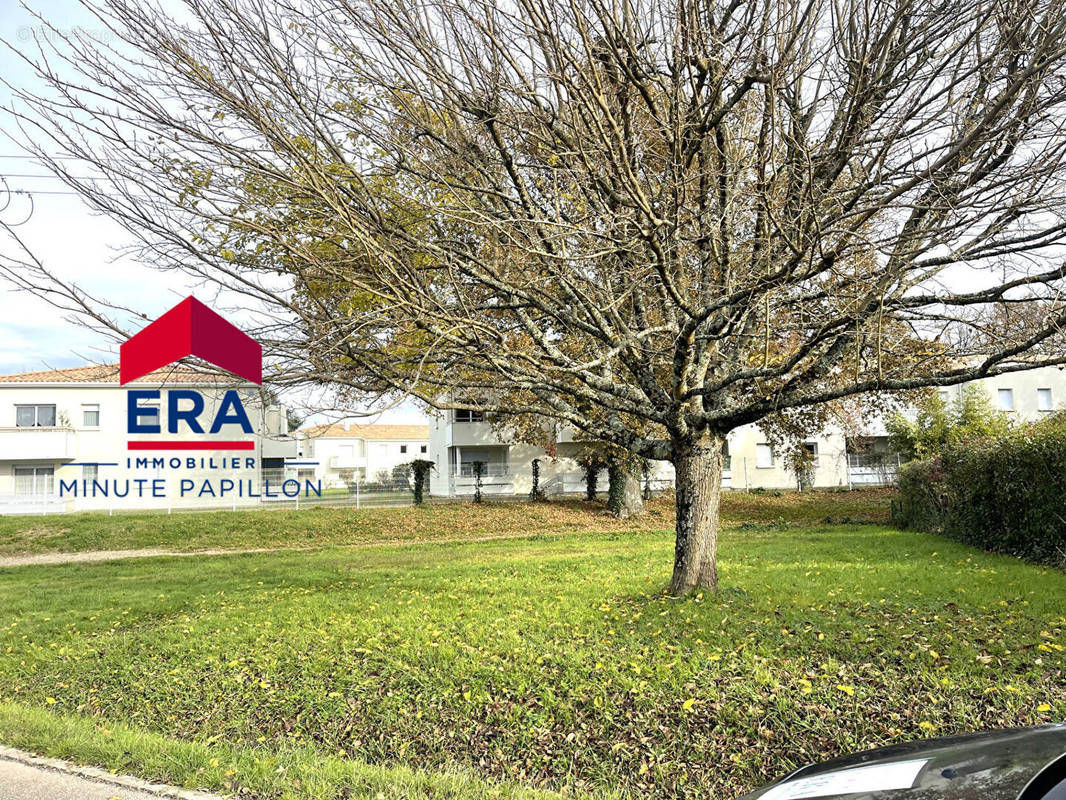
(357, 493)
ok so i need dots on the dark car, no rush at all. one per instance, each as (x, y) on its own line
(1020, 764)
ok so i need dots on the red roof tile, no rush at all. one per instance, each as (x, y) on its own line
(109, 373)
(356, 431)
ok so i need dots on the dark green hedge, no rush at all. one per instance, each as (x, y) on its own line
(1006, 494)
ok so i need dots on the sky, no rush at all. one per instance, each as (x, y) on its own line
(71, 239)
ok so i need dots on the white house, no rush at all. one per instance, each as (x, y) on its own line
(342, 452)
(458, 439)
(70, 425)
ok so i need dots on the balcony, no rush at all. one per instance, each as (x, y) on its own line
(873, 469)
(495, 479)
(280, 447)
(471, 434)
(489, 470)
(346, 462)
(37, 444)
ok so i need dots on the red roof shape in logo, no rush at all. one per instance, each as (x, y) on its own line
(191, 329)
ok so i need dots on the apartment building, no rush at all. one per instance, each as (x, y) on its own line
(458, 439)
(1025, 396)
(71, 425)
(343, 452)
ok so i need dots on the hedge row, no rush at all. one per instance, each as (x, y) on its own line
(1006, 495)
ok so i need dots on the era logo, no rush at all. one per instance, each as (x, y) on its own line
(188, 329)
(191, 329)
(230, 411)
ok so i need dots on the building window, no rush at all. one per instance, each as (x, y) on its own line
(422, 449)
(1043, 400)
(35, 416)
(34, 480)
(944, 396)
(764, 456)
(90, 472)
(812, 451)
(90, 416)
(1006, 399)
(466, 415)
(403, 448)
(273, 471)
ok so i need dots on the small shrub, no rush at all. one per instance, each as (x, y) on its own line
(536, 493)
(420, 468)
(479, 473)
(922, 496)
(591, 463)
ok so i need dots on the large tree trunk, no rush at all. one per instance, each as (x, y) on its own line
(698, 468)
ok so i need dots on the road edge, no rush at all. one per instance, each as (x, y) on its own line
(103, 776)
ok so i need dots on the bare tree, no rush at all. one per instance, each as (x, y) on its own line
(654, 221)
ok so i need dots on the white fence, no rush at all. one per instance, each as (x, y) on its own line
(32, 504)
(360, 494)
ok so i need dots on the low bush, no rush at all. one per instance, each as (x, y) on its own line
(1005, 494)
(922, 496)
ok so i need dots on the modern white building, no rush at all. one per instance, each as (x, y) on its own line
(458, 439)
(69, 425)
(1024, 396)
(342, 453)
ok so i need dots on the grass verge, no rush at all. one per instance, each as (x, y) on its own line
(551, 662)
(325, 526)
(303, 773)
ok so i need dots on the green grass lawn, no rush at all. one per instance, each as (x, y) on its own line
(326, 526)
(549, 663)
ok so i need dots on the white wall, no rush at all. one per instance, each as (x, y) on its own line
(367, 457)
(108, 441)
(563, 472)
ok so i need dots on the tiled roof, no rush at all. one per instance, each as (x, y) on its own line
(108, 373)
(355, 431)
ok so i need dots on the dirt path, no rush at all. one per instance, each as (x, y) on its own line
(153, 552)
(112, 555)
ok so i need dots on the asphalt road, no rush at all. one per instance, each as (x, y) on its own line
(20, 780)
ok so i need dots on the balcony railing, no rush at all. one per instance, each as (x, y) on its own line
(346, 462)
(466, 470)
(33, 443)
(278, 447)
(873, 460)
